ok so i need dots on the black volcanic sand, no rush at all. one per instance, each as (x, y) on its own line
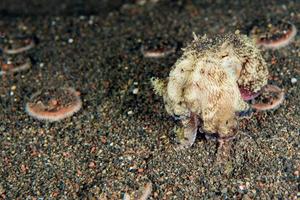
(121, 139)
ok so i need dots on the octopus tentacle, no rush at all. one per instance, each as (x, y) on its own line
(189, 131)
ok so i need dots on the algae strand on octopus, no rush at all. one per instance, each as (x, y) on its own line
(54, 104)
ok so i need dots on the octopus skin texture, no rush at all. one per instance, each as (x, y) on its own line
(210, 84)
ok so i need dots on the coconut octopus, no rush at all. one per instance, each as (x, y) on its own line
(209, 86)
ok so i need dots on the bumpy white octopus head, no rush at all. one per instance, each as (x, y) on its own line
(205, 81)
(238, 52)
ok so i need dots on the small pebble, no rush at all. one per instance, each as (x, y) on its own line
(91, 22)
(135, 90)
(70, 40)
(140, 170)
(130, 112)
(293, 80)
(92, 164)
(242, 187)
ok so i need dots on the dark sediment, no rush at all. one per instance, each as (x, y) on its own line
(122, 138)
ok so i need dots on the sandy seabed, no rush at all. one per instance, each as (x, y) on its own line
(122, 138)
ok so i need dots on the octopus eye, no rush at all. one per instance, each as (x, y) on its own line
(227, 122)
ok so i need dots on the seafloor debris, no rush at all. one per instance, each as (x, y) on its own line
(54, 104)
(146, 192)
(11, 67)
(18, 45)
(158, 48)
(273, 34)
(143, 2)
(205, 83)
(270, 101)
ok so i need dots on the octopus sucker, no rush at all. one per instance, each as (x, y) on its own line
(247, 95)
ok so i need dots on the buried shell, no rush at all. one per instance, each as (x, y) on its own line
(54, 104)
(11, 67)
(158, 48)
(19, 45)
(273, 34)
(272, 102)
